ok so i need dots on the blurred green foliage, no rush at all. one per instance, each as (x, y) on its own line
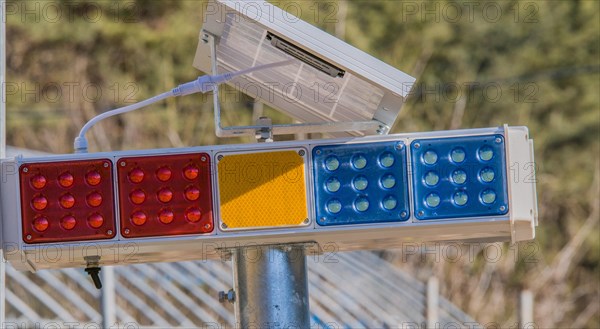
(478, 64)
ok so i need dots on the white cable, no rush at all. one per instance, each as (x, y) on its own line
(202, 84)
(81, 142)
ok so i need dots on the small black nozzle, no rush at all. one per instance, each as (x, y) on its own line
(94, 273)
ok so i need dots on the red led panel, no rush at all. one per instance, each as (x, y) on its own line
(165, 195)
(67, 201)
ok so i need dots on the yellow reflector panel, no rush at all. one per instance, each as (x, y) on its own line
(262, 190)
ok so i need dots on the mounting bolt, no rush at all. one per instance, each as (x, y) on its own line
(306, 221)
(227, 296)
(322, 219)
(223, 226)
(109, 232)
(421, 213)
(126, 231)
(417, 145)
(403, 214)
(220, 157)
(25, 169)
(502, 208)
(301, 153)
(28, 237)
(123, 164)
(318, 152)
(498, 140)
(399, 146)
(105, 165)
(203, 159)
(207, 226)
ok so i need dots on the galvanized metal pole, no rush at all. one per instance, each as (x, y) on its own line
(433, 302)
(526, 310)
(2, 149)
(271, 287)
(109, 300)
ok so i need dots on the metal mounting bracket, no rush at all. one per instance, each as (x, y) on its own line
(279, 129)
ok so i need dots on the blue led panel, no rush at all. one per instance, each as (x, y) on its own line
(361, 183)
(459, 177)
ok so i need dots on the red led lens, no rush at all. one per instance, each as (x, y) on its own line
(165, 195)
(193, 215)
(138, 218)
(66, 179)
(41, 224)
(136, 175)
(50, 213)
(175, 195)
(67, 201)
(137, 196)
(94, 199)
(166, 216)
(192, 193)
(93, 178)
(68, 222)
(95, 220)
(39, 202)
(38, 182)
(191, 172)
(163, 174)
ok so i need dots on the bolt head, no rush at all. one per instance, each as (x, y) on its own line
(399, 146)
(421, 213)
(318, 152)
(417, 145)
(203, 159)
(502, 208)
(25, 169)
(105, 165)
(301, 153)
(126, 231)
(109, 232)
(123, 164)
(498, 140)
(403, 214)
(28, 237)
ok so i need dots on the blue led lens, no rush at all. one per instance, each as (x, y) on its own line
(332, 163)
(388, 181)
(459, 177)
(386, 159)
(334, 206)
(432, 200)
(460, 198)
(488, 196)
(487, 174)
(362, 183)
(332, 185)
(458, 155)
(359, 161)
(389, 202)
(361, 204)
(431, 178)
(430, 157)
(486, 153)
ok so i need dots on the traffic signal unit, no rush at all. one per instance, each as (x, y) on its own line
(371, 192)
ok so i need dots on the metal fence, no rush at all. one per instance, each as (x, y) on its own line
(347, 290)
